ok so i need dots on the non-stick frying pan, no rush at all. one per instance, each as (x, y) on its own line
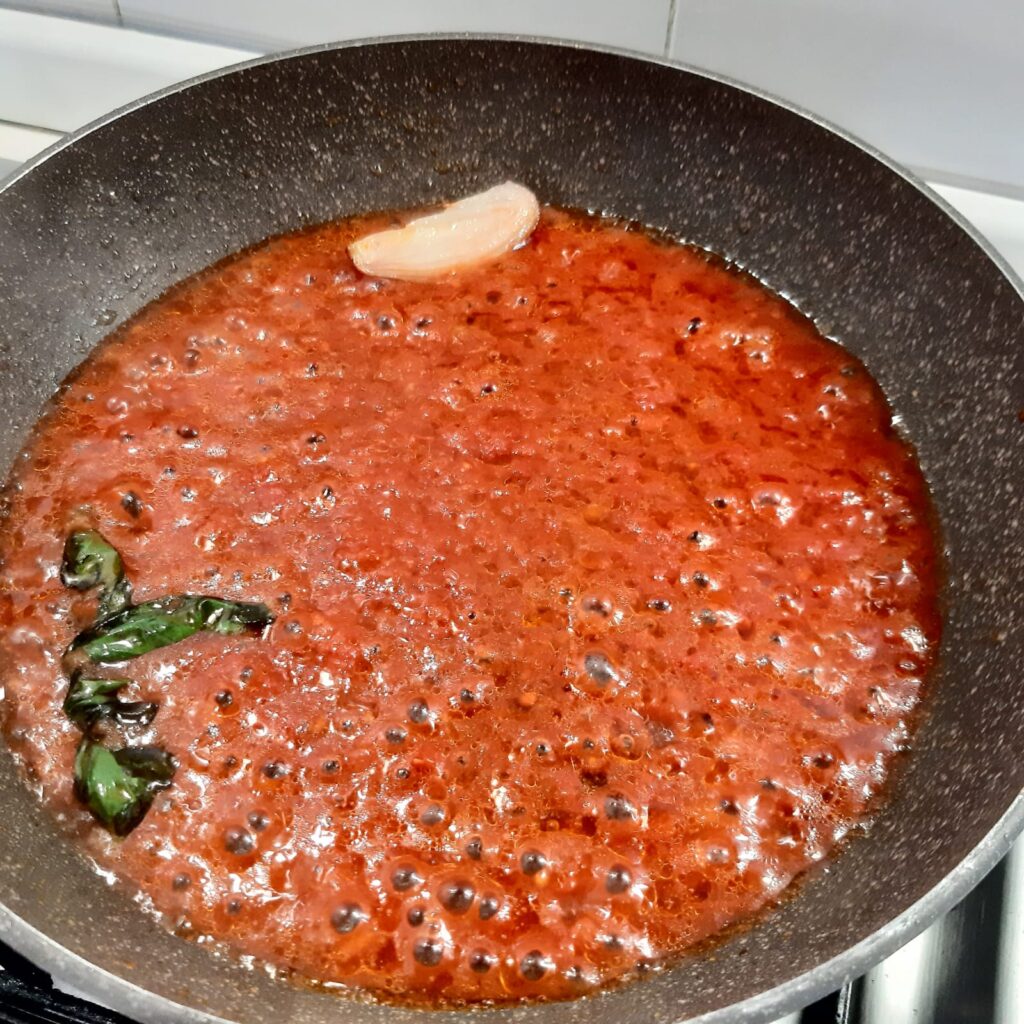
(111, 217)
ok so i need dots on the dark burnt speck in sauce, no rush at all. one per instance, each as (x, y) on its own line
(611, 592)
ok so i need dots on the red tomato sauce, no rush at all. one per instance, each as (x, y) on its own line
(604, 594)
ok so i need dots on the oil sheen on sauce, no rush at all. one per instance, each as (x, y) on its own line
(604, 593)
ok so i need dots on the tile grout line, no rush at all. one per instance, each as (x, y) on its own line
(669, 28)
(25, 126)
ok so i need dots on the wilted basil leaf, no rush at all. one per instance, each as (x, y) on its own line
(89, 561)
(146, 627)
(118, 786)
(89, 700)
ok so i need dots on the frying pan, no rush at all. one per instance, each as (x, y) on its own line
(108, 219)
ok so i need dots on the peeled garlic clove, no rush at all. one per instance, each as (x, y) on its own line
(467, 233)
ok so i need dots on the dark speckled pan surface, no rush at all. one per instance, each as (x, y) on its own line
(106, 223)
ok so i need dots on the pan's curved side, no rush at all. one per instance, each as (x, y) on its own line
(109, 220)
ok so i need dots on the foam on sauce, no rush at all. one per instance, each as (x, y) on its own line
(604, 593)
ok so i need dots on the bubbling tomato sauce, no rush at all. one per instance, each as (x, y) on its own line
(604, 593)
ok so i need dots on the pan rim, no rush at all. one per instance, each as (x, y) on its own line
(126, 996)
(280, 56)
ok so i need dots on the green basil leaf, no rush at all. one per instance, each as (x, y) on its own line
(146, 627)
(89, 700)
(118, 786)
(89, 561)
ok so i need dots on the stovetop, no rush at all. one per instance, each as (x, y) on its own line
(27, 996)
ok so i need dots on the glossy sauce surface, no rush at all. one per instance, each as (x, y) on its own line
(604, 593)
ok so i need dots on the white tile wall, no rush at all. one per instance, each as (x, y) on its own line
(274, 25)
(96, 10)
(58, 74)
(938, 84)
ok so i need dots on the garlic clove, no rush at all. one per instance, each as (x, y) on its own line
(467, 233)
